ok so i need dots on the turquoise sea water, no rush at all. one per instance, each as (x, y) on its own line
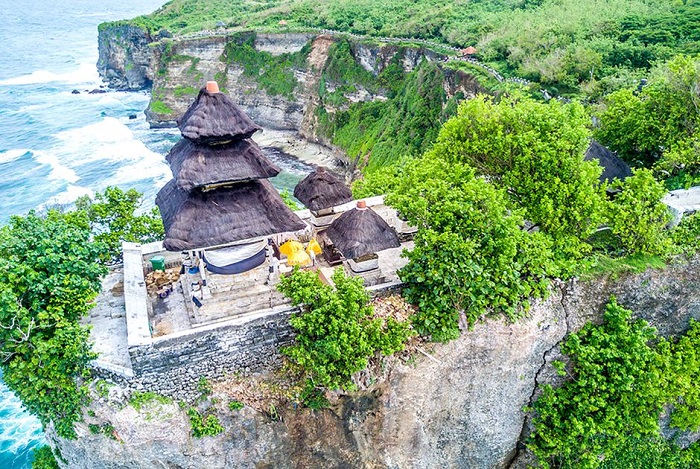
(56, 145)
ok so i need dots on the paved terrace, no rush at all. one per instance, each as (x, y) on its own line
(127, 317)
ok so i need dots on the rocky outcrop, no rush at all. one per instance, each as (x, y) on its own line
(126, 60)
(460, 405)
(177, 68)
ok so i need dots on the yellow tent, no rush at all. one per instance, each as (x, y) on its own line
(313, 246)
(299, 258)
(290, 247)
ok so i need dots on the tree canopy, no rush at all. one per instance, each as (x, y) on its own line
(49, 275)
(471, 255)
(337, 332)
(535, 152)
(659, 126)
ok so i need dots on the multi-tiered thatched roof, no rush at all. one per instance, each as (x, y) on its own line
(214, 118)
(242, 211)
(220, 193)
(320, 190)
(194, 165)
(361, 231)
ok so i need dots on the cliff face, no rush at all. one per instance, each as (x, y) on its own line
(125, 60)
(459, 407)
(178, 68)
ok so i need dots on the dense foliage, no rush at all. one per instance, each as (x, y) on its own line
(337, 332)
(204, 425)
(49, 275)
(535, 152)
(471, 256)
(113, 218)
(44, 458)
(638, 217)
(595, 45)
(621, 375)
(659, 126)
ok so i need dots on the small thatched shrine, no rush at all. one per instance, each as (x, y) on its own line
(320, 191)
(219, 195)
(613, 166)
(359, 234)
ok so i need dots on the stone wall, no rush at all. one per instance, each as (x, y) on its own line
(173, 365)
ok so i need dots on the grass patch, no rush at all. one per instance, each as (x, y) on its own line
(159, 107)
(139, 400)
(601, 264)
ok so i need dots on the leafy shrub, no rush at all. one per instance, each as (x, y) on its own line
(638, 217)
(235, 405)
(621, 376)
(204, 386)
(44, 458)
(204, 425)
(686, 236)
(336, 330)
(617, 390)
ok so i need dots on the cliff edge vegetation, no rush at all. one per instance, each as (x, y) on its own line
(573, 46)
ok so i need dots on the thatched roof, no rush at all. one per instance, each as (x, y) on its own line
(246, 210)
(196, 165)
(361, 231)
(613, 166)
(213, 117)
(320, 190)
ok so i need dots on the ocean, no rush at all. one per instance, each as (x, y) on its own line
(56, 145)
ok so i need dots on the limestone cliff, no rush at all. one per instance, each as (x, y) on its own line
(459, 407)
(280, 80)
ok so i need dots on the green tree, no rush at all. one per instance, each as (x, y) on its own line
(471, 255)
(534, 151)
(659, 126)
(617, 390)
(113, 219)
(336, 331)
(44, 458)
(49, 276)
(638, 217)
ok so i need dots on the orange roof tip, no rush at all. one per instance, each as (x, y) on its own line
(361, 204)
(212, 87)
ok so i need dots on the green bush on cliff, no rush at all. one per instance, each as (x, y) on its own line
(49, 275)
(44, 458)
(337, 332)
(620, 377)
(204, 425)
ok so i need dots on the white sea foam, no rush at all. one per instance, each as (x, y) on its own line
(8, 156)
(111, 140)
(58, 170)
(85, 73)
(67, 197)
(18, 429)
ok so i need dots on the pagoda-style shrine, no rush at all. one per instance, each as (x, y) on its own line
(220, 196)
(320, 192)
(359, 234)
